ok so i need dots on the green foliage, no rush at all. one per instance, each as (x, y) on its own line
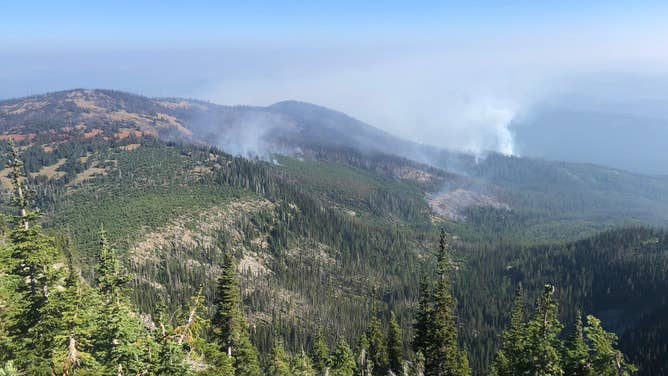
(576, 352)
(327, 242)
(301, 365)
(110, 275)
(543, 343)
(8, 369)
(437, 322)
(320, 353)
(229, 324)
(606, 360)
(342, 360)
(395, 346)
(279, 361)
(73, 345)
(377, 350)
(513, 353)
(541, 351)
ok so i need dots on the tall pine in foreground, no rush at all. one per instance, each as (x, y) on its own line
(543, 337)
(229, 324)
(36, 266)
(77, 301)
(512, 358)
(377, 346)
(605, 358)
(301, 365)
(120, 338)
(395, 347)
(343, 360)
(320, 353)
(576, 352)
(436, 326)
(279, 361)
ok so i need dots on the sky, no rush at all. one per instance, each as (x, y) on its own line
(449, 73)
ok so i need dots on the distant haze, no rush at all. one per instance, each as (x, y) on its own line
(470, 78)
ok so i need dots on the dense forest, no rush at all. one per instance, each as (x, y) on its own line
(326, 248)
(56, 322)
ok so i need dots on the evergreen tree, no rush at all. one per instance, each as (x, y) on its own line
(35, 264)
(543, 337)
(511, 359)
(169, 359)
(343, 360)
(437, 322)
(535, 348)
(395, 347)
(377, 345)
(422, 338)
(576, 352)
(418, 364)
(229, 324)
(74, 352)
(606, 360)
(119, 336)
(110, 275)
(189, 336)
(279, 361)
(320, 353)
(302, 365)
(363, 362)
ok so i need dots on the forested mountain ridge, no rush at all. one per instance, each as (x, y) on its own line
(314, 235)
(579, 199)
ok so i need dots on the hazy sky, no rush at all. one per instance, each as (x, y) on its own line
(452, 74)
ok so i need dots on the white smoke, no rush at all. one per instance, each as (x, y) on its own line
(486, 127)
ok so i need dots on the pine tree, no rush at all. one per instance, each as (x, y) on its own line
(418, 364)
(169, 358)
(35, 265)
(511, 359)
(437, 322)
(279, 363)
(110, 275)
(343, 360)
(76, 300)
(189, 335)
(364, 364)
(395, 347)
(320, 353)
(302, 365)
(422, 339)
(606, 360)
(229, 324)
(543, 337)
(576, 352)
(377, 344)
(119, 334)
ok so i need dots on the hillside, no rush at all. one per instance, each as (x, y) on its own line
(578, 198)
(323, 227)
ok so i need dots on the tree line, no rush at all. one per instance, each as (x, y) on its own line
(53, 322)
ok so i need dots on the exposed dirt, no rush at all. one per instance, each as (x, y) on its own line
(452, 204)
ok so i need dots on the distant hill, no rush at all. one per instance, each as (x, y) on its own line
(334, 210)
(251, 129)
(580, 197)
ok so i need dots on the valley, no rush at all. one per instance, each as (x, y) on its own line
(329, 219)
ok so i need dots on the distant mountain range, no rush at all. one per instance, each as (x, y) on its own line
(561, 191)
(333, 209)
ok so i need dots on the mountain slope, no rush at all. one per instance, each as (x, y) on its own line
(317, 229)
(595, 197)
